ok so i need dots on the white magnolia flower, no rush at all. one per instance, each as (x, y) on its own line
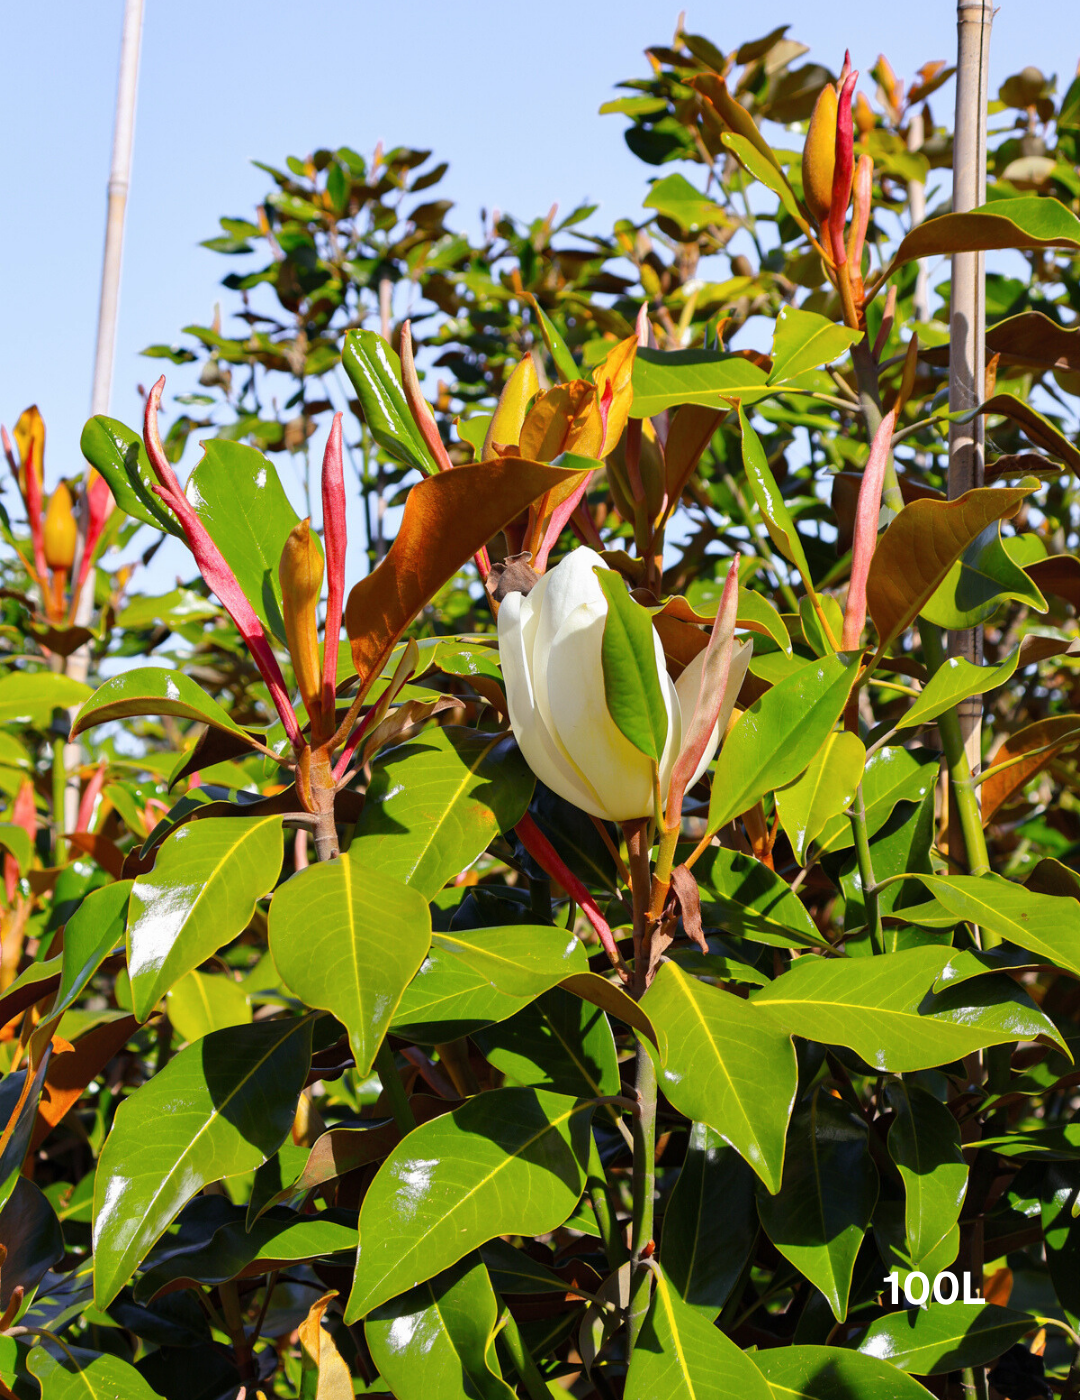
(550, 647)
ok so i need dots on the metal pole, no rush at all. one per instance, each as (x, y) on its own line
(119, 180)
(967, 326)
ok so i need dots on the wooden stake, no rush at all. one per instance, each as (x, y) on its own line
(967, 326)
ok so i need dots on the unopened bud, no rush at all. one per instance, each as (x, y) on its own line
(301, 574)
(504, 429)
(819, 155)
(61, 530)
(864, 115)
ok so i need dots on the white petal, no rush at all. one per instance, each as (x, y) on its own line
(541, 751)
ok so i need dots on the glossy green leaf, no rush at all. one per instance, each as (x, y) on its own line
(375, 371)
(77, 1374)
(955, 681)
(676, 199)
(202, 1002)
(924, 1142)
(944, 1337)
(199, 896)
(824, 790)
(776, 738)
(348, 939)
(29, 697)
(803, 340)
(981, 580)
(680, 1355)
(612, 998)
(435, 803)
(119, 455)
(470, 979)
(557, 1042)
(826, 1198)
(90, 935)
(565, 366)
(631, 684)
(664, 379)
(903, 845)
(891, 775)
(883, 1008)
(152, 690)
(509, 1162)
(770, 502)
(16, 842)
(710, 1223)
(1059, 1196)
(220, 1107)
(279, 1238)
(1021, 222)
(766, 171)
(831, 1373)
(742, 896)
(238, 497)
(1042, 923)
(437, 1341)
(725, 1066)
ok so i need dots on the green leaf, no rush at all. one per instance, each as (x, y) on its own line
(470, 979)
(664, 379)
(31, 1237)
(776, 738)
(220, 1107)
(981, 580)
(281, 1238)
(710, 1223)
(680, 1355)
(944, 1336)
(924, 1142)
(826, 1199)
(883, 1008)
(199, 896)
(347, 938)
(437, 802)
(238, 497)
(891, 775)
(77, 1374)
(1059, 1195)
(764, 170)
(29, 697)
(832, 1373)
(725, 1066)
(565, 365)
(628, 656)
(152, 690)
(1021, 222)
(509, 1162)
(375, 371)
(803, 340)
(824, 790)
(557, 1042)
(1042, 923)
(955, 681)
(742, 896)
(770, 502)
(119, 455)
(16, 840)
(437, 1341)
(675, 198)
(90, 935)
(200, 1003)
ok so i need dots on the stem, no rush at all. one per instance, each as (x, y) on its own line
(599, 1198)
(644, 1187)
(637, 850)
(521, 1358)
(866, 870)
(400, 1108)
(234, 1321)
(866, 376)
(59, 788)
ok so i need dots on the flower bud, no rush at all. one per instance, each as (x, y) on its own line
(61, 530)
(819, 155)
(550, 644)
(301, 574)
(505, 426)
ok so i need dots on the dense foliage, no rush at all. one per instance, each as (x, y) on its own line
(603, 972)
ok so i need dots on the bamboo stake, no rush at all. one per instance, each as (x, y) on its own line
(967, 328)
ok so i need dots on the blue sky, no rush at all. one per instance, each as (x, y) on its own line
(508, 93)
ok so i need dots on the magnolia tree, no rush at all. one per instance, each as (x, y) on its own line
(606, 971)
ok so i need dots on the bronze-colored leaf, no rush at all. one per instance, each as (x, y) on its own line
(1033, 747)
